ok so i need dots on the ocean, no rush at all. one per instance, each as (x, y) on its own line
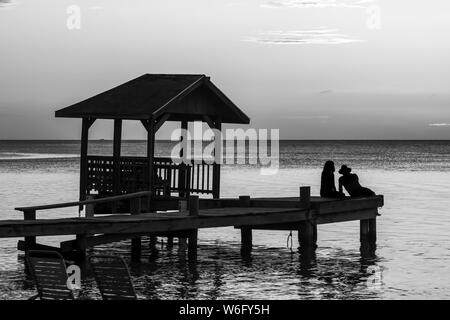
(413, 249)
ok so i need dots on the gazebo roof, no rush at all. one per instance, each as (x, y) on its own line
(182, 96)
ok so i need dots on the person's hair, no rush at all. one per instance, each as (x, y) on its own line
(328, 166)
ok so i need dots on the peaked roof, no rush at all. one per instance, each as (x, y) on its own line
(152, 95)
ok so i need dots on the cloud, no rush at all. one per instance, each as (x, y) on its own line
(277, 4)
(7, 3)
(439, 124)
(306, 117)
(317, 36)
(97, 8)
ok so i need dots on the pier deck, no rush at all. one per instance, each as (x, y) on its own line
(293, 213)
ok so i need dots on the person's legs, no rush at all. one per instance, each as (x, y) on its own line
(368, 192)
(363, 192)
(333, 194)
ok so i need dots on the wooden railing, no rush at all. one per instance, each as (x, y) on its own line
(169, 177)
(201, 177)
(130, 196)
(29, 213)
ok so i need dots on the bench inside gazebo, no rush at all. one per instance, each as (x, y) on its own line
(152, 99)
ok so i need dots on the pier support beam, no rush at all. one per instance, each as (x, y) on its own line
(182, 244)
(368, 230)
(217, 155)
(246, 232)
(136, 248)
(86, 124)
(152, 246)
(368, 236)
(30, 242)
(193, 235)
(246, 241)
(169, 243)
(307, 232)
(81, 245)
(136, 243)
(182, 183)
(192, 245)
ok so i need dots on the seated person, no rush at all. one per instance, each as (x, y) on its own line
(350, 182)
(327, 186)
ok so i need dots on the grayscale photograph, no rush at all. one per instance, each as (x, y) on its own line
(224, 156)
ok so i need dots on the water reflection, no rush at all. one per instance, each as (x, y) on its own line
(221, 272)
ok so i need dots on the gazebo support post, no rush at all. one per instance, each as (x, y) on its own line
(150, 155)
(117, 142)
(86, 124)
(216, 165)
(182, 183)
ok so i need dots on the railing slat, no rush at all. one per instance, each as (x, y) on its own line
(82, 203)
(134, 170)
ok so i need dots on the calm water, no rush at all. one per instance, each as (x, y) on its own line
(413, 255)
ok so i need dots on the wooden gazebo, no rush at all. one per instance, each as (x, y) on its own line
(152, 99)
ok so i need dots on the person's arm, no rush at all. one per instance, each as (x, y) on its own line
(333, 184)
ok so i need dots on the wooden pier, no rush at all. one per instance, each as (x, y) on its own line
(303, 214)
(128, 197)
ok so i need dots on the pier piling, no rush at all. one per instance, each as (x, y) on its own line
(81, 245)
(193, 234)
(368, 235)
(136, 247)
(246, 241)
(30, 242)
(169, 243)
(307, 232)
(136, 243)
(153, 242)
(246, 232)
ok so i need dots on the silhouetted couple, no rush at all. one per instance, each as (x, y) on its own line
(348, 180)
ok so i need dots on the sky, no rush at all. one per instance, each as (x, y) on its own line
(315, 69)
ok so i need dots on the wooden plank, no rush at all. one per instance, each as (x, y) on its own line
(23, 246)
(346, 216)
(351, 204)
(145, 224)
(275, 226)
(82, 203)
(92, 241)
(321, 219)
(274, 203)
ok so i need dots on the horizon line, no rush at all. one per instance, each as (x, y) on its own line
(168, 140)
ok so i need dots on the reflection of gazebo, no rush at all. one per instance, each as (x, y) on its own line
(153, 99)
